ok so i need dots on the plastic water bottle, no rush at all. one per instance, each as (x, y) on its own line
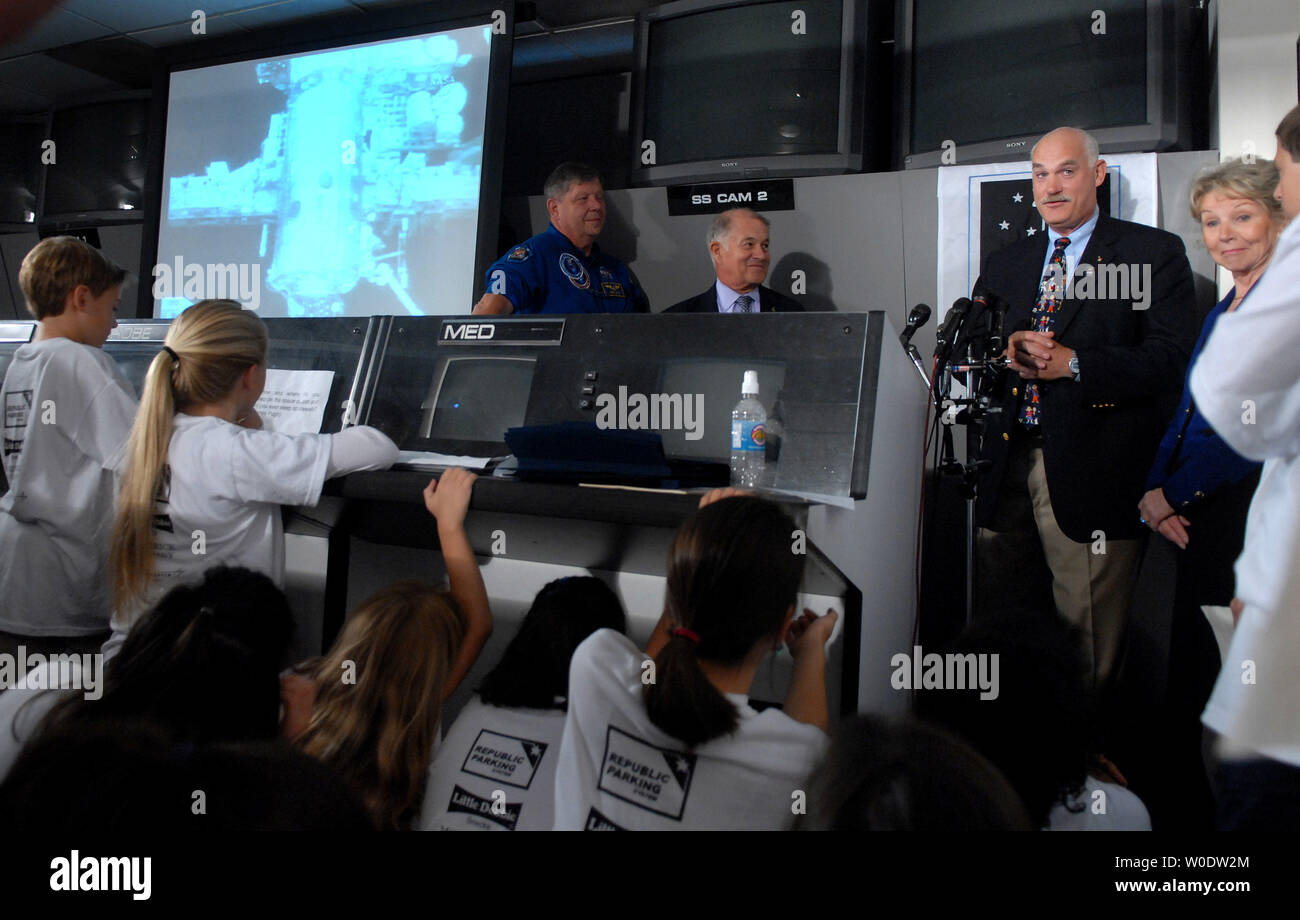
(748, 435)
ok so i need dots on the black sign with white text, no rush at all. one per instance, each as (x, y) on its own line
(715, 197)
(464, 331)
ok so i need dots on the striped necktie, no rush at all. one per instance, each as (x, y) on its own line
(1050, 292)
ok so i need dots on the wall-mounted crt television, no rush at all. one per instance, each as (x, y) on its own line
(336, 180)
(97, 167)
(737, 90)
(22, 142)
(985, 79)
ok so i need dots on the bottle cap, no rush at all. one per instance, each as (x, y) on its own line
(750, 385)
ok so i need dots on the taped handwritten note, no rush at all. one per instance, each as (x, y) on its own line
(293, 402)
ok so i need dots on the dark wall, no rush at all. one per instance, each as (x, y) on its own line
(577, 118)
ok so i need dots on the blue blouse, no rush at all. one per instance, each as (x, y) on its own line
(1193, 461)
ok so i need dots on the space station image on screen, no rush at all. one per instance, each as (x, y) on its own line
(346, 181)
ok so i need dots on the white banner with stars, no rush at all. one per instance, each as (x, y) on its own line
(983, 208)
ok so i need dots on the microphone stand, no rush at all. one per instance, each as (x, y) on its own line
(969, 410)
(915, 320)
(920, 367)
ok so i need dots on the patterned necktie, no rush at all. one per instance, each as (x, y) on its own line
(744, 304)
(1050, 291)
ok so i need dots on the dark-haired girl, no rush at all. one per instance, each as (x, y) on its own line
(203, 665)
(666, 739)
(506, 741)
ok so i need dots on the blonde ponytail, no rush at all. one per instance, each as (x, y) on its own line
(207, 349)
(131, 552)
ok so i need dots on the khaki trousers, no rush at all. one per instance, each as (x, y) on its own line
(1025, 561)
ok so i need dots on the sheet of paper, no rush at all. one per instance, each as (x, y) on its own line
(421, 459)
(293, 402)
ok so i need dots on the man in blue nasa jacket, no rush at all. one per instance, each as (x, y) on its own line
(562, 270)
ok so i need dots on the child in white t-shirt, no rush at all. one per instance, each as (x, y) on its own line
(67, 410)
(402, 653)
(666, 739)
(495, 769)
(202, 485)
(1102, 806)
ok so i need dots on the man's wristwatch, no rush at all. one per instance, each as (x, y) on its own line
(1074, 366)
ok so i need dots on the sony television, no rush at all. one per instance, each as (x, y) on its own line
(96, 166)
(335, 179)
(741, 90)
(982, 80)
(22, 143)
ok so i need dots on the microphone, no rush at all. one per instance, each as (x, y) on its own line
(997, 326)
(919, 316)
(947, 333)
(996, 307)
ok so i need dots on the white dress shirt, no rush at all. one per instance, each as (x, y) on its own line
(1247, 384)
(727, 299)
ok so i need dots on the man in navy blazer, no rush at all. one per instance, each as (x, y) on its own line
(738, 242)
(1093, 372)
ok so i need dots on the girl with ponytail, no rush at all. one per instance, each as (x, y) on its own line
(666, 739)
(202, 484)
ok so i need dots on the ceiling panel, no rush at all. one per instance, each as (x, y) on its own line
(129, 15)
(59, 27)
(604, 41)
(14, 100)
(183, 32)
(83, 37)
(557, 13)
(58, 82)
(274, 13)
(389, 4)
(118, 58)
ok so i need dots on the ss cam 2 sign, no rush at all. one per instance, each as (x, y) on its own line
(734, 199)
(713, 198)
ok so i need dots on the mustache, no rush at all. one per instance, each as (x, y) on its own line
(1066, 198)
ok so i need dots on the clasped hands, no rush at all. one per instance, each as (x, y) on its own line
(1161, 517)
(1038, 356)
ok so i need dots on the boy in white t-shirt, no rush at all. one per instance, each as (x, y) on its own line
(67, 412)
(666, 739)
